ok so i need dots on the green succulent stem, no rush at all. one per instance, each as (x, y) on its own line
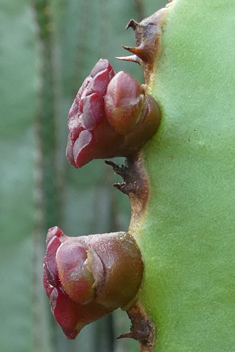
(186, 233)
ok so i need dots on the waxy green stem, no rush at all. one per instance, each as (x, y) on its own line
(187, 233)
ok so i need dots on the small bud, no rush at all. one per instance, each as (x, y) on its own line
(131, 112)
(105, 115)
(123, 268)
(89, 131)
(124, 102)
(75, 278)
(87, 277)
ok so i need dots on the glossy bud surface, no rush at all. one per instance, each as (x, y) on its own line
(87, 277)
(109, 116)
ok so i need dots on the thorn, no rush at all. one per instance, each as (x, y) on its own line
(121, 187)
(133, 24)
(129, 48)
(126, 335)
(118, 170)
(132, 58)
(115, 166)
(121, 171)
(137, 50)
(110, 162)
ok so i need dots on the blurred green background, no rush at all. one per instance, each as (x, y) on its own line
(47, 48)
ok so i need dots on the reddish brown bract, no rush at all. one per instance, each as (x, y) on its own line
(110, 116)
(87, 277)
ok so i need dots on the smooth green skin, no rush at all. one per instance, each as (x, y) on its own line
(187, 238)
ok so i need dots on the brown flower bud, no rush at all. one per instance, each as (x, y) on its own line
(87, 277)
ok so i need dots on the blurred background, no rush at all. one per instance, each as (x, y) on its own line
(47, 48)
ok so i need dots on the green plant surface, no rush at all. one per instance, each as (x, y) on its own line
(187, 235)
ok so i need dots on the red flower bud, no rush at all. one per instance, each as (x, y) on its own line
(75, 278)
(124, 101)
(108, 115)
(87, 277)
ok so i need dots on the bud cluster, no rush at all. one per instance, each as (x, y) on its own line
(110, 116)
(87, 277)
